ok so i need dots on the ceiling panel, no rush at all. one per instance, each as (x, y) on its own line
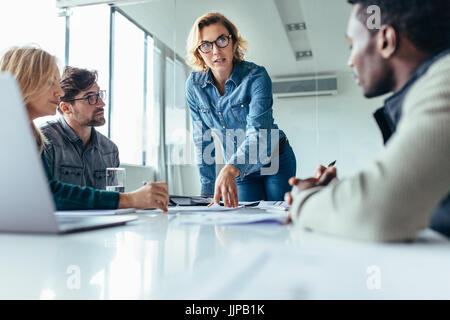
(261, 25)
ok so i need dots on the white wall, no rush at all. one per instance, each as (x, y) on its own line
(325, 129)
(190, 180)
(136, 175)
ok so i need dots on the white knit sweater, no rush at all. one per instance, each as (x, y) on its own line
(394, 197)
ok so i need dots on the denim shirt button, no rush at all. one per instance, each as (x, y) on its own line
(242, 105)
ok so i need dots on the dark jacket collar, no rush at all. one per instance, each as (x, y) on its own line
(420, 71)
(389, 115)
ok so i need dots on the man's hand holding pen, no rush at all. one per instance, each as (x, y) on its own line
(322, 177)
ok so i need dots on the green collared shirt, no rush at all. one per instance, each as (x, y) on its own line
(71, 197)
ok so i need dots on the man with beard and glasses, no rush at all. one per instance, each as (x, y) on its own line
(75, 151)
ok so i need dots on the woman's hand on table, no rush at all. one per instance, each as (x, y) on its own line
(226, 187)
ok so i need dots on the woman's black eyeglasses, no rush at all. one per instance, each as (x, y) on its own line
(92, 98)
(221, 42)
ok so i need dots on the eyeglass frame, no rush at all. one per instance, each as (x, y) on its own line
(97, 95)
(229, 37)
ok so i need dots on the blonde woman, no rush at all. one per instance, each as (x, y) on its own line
(233, 98)
(37, 74)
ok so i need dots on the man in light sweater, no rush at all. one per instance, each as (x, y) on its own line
(408, 187)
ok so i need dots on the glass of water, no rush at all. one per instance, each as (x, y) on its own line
(115, 179)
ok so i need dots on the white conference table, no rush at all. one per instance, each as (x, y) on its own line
(157, 257)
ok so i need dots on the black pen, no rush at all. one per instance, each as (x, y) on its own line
(332, 164)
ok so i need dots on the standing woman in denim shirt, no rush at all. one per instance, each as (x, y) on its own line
(233, 98)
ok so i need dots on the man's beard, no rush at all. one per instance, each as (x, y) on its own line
(380, 88)
(96, 122)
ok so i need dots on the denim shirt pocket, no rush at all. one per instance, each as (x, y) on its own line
(71, 174)
(240, 111)
(206, 116)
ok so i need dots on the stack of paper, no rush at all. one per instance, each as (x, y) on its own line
(273, 205)
(217, 218)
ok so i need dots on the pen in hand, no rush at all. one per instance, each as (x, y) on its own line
(327, 174)
(324, 175)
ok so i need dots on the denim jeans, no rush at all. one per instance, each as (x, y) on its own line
(269, 187)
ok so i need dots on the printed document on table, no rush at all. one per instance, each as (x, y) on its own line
(193, 209)
(224, 218)
(214, 208)
(273, 205)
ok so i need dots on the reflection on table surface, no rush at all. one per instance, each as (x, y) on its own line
(158, 257)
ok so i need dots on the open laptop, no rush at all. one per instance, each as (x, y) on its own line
(26, 203)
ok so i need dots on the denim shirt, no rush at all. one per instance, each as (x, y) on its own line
(73, 163)
(388, 117)
(244, 109)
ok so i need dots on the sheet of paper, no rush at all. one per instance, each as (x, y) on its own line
(214, 208)
(192, 209)
(273, 205)
(248, 203)
(232, 218)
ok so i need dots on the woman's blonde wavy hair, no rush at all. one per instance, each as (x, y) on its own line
(33, 69)
(194, 58)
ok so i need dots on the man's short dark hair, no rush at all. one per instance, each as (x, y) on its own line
(74, 80)
(426, 23)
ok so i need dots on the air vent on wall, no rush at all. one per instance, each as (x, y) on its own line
(323, 85)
